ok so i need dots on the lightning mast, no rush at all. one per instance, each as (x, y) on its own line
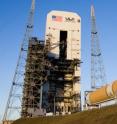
(13, 107)
(98, 77)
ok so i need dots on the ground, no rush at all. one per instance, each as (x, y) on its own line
(107, 115)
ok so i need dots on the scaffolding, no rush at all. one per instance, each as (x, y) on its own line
(61, 94)
(34, 77)
(48, 84)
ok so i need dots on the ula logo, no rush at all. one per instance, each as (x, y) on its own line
(68, 19)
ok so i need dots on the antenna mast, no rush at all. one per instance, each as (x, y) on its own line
(14, 102)
(97, 67)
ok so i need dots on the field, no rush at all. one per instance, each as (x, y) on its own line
(107, 115)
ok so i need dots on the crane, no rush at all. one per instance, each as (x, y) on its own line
(15, 95)
(98, 76)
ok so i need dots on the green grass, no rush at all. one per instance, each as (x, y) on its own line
(107, 115)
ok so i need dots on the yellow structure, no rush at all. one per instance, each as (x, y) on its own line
(68, 77)
(7, 122)
(102, 94)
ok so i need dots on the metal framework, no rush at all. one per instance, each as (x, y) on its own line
(48, 82)
(98, 77)
(15, 96)
(60, 97)
(61, 79)
(35, 76)
(42, 82)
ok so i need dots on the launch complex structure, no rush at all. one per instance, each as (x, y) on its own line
(48, 71)
(52, 77)
(47, 78)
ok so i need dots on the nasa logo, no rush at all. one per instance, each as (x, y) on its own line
(68, 19)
